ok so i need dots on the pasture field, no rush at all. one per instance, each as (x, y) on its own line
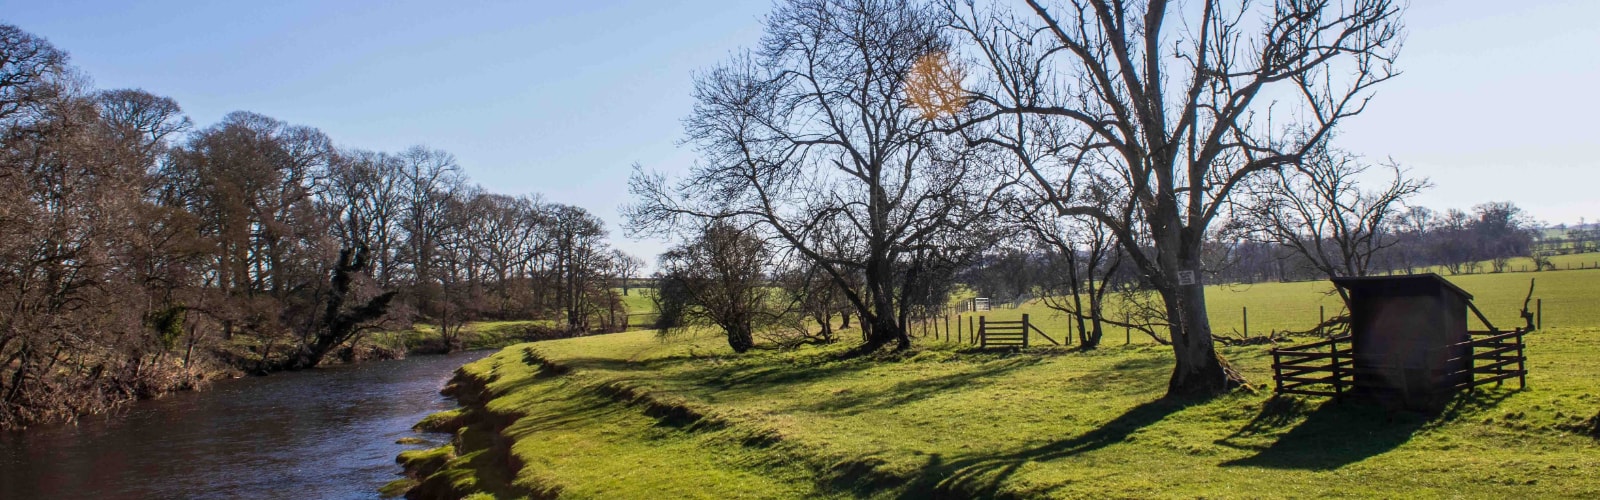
(633, 415)
(1571, 299)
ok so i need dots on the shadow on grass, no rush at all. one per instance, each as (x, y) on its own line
(564, 411)
(981, 476)
(858, 400)
(1334, 434)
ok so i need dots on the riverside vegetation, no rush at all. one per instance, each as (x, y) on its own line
(141, 255)
(636, 415)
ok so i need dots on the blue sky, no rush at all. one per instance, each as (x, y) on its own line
(560, 97)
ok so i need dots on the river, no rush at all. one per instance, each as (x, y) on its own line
(326, 433)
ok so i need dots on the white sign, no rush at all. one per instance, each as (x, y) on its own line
(1186, 278)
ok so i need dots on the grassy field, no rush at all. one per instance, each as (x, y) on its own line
(497, 334)
(1571, 299)
(633, 416)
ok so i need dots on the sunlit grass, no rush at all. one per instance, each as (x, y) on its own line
(632, 416)
(1570, 299)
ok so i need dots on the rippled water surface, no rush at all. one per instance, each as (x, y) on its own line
(325, 433)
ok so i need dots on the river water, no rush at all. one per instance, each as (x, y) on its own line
(324, 433)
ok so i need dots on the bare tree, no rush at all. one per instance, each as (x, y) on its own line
(1319, 211)
(628, 268)
(580, 264)
(720, 275)
(362, 198)
(1180, 108)
(1503, 231)
(30, 68)
(431, 180)
(816, 130)
(1411, 251)
(1082, 258)
(814, 298)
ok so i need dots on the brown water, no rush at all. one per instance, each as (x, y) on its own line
(325, 433)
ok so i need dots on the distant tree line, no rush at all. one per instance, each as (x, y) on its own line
(138, 252)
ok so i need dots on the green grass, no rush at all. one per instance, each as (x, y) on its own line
(638, 300)
(1563, 262)
(641, 309)
(632, 415)
(1571, 298)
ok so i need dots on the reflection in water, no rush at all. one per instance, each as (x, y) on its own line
(326, 433)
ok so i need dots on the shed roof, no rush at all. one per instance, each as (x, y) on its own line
(1408, 282)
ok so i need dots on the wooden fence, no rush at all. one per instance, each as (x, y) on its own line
(1497, 348)
(1327, 368)
(978, 330)
(1327, 363)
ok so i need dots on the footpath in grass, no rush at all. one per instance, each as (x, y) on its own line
(634, 416)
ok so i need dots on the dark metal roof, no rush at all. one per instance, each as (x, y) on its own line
(1391, 282)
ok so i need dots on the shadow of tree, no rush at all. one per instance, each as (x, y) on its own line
(981, 476)
(565, 411)
(1334, 434)
(857, 400)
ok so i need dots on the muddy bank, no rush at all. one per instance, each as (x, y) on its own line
(478, 457)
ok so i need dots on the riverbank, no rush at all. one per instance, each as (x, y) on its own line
(325, 433)
(631, 416)
(241, 356)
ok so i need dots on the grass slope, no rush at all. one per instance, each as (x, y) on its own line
(634, 416)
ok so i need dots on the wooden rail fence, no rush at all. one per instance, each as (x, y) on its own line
(1327, 368)
(1295, 370)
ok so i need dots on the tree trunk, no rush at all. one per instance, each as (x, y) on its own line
(740, 338)
(1198, 371)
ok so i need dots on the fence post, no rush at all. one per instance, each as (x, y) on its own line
(1127, 329)
(1539, 323)
(1522, 369)
(1025, 332)
(972, 333)
(1338, 387)
(1322, 319)
(1246, 313)
(981, 328)
(1277, 372)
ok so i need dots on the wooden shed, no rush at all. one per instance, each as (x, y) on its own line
(1408, 337)
(1408, 346)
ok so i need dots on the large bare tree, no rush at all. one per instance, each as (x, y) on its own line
(1178, 106)
(816, 130)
